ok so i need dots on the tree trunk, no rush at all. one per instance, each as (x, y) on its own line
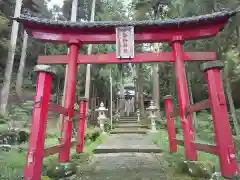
(22, 66)
(58, 90)
(238, 35)
(173, 86)
(230, 100)
(10, 60)
(122, 100)
(111, 98)
(135, 95)
(140, 89)
(194, 115)
(137, 88)
(155, 79)
(155, 90)
(88, 70)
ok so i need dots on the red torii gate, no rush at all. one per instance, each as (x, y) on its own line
(174, 32)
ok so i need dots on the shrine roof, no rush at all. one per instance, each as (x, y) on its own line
(109, 26)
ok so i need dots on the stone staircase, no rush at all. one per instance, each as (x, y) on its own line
(129, 125)
(128, 136)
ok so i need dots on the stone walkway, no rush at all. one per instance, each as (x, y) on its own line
(119, 143)
(124, 166)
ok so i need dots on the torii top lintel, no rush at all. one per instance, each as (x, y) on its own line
(103, 32)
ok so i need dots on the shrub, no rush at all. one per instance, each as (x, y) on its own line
(53, 134)
(9, 173)
(236, 140)
(201, 168)
(162, 124)
(21, 112)
(107, 125)
(181, 167)
(92, 134)
(57, 170)
(23, 137)
(80, 157)
(205, 130)
(14, 137)
(2, 121)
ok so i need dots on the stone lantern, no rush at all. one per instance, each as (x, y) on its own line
(138, 115)
(152, 109)
(101, 116)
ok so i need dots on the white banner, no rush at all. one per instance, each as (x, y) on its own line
(125, 42)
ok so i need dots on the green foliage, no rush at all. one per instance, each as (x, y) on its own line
(145, 9)
(205, 131)
(3, 31)
(92, 134)
(162, 124)
(9, 174)
(20, 113)
(56, 170)
(11, 165)
(2, 120)
(174, 162)
(203, 169)
(237, 143)
(80, 157)
(107, 125)
(53, 134)
(53, 169)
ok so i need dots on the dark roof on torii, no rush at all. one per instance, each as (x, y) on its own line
(139, 26)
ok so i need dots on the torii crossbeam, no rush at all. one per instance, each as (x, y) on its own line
(139, 58)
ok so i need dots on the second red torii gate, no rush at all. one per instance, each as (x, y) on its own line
(139, 58)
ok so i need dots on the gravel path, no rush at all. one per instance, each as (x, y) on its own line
(124, 166)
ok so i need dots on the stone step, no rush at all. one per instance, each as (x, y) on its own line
(127, 150)
(130, 125)
(131, 121)
(128, 117)
(128, 131)
(125, 121)
(128, 143)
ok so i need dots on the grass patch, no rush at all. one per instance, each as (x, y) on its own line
(3, 128)
(51, 142)
(172, 161)
(90, 147)
(54, 169)
(12, 163)
(88, 151)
